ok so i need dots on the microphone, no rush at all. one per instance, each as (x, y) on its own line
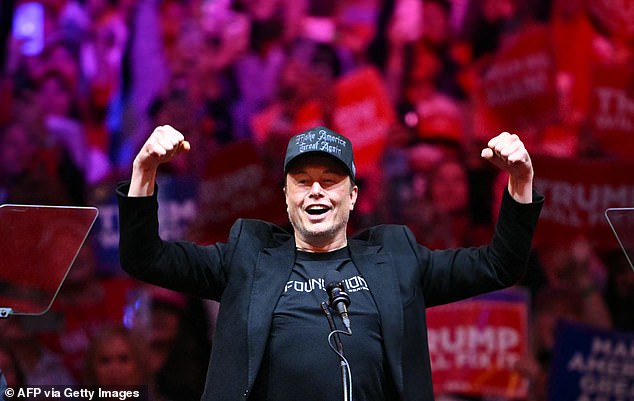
(338, 299)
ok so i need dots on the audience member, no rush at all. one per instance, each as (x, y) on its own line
(32, 172)
(116, 360)
(423, 105)
(17, 147)
(257, 72)
(619, 289)
(178, 345)
(58, 101)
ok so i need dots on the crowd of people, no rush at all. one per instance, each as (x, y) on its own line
(76, 110)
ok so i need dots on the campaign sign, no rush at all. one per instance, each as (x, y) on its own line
(177, 209)
(363, 113)
(578, 191)
(591, 364)
(475, 344)
(237, 184)
(518, 88)
(612, 109)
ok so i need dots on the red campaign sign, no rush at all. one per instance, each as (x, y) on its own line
(475, 344)
(363, 112)
(612, 109)
(237, 185)
(518, 87)
(577, 193)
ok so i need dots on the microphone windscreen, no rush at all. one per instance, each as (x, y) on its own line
(332, 279)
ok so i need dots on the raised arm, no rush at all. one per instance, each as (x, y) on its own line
(508, 153)
(163, 145)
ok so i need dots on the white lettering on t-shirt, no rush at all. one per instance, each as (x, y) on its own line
(352, 284)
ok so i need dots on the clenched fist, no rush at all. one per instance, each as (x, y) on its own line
(163, 145)
(508, 153)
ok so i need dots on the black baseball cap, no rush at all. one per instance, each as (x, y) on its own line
(321, 140)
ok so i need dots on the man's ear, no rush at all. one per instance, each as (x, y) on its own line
(353, 196)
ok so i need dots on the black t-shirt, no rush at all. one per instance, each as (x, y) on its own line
(298, 363)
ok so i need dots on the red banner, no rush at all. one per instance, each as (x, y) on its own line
(612, 109)
(518, 88)
(237, 185)
(577, 194)
(364, 114)
(475, 344)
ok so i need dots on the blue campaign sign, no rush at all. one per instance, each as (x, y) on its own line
(178, 206)
(591, 364)
(177, 209)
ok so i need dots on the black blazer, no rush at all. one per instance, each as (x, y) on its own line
(247, 274)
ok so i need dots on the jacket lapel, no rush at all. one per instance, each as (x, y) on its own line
(377, 269)
(272, 271)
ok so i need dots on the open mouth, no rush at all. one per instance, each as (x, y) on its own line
(317, 210)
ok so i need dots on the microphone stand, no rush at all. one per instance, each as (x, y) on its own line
(346, 378)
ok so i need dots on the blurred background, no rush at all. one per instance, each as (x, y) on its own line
(418, 85)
